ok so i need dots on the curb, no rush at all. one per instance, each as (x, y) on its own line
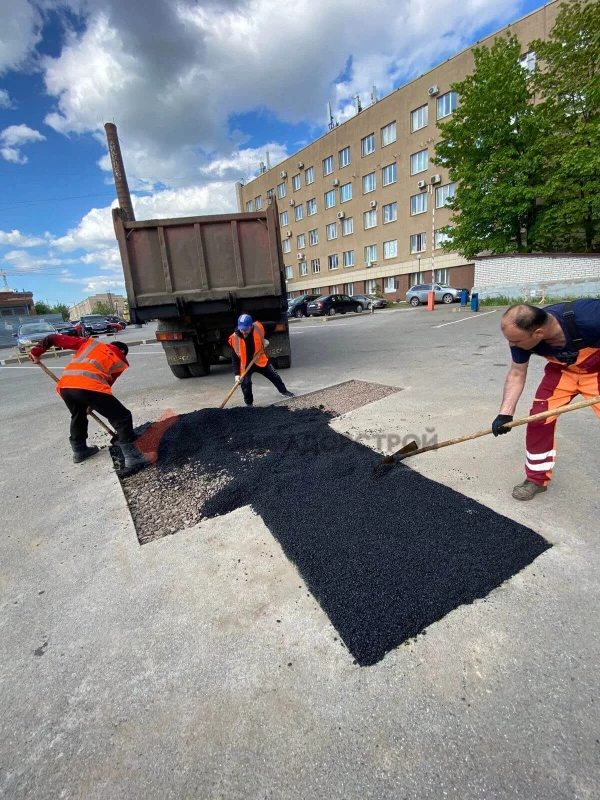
(60, 353)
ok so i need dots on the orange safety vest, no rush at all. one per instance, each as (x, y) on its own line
(238, 344)
(95, 367)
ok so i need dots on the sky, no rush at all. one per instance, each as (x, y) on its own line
(199, 91)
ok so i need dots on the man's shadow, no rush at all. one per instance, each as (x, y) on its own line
(385, 557)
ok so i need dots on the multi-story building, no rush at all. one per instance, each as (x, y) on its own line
(16, 304)
(115, 302)
(361, 208)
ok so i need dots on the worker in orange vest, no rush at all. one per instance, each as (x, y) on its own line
(86, 383)
(247, 339)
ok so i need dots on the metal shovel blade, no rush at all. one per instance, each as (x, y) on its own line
(397, 456)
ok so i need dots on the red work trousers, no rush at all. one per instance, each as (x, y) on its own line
(559, 386)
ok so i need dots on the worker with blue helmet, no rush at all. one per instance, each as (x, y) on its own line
(248, 339)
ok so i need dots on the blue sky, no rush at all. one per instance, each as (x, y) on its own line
(196, 107)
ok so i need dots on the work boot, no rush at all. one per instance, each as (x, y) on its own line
(81, 451)
(249, 402)
(133, 457)
(527, 490)
(287, 393)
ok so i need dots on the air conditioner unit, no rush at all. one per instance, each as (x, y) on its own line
(335, 182)
(373, 203)
(300, 165)
(436, 179)
(421, 184)
(292, 202)
(433, 90)
(288, 234)
(341, 215)
(299, 256)
(283, 174)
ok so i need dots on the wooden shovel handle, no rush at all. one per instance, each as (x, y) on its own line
(237, 383)
(534, 418)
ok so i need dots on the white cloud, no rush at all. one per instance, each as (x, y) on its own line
(17, 239)
(5, 101)
(13, 138)
(20, 26)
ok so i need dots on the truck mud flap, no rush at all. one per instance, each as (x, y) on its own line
(279, 345)
(180, 353)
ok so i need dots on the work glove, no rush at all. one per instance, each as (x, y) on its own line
(265, 343)
(497, 424)
(238, 378)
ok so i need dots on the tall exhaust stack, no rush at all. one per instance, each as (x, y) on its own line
(268, 161)
(118, 168)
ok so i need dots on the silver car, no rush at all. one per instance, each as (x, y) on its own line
(443, 294)
(32, 333)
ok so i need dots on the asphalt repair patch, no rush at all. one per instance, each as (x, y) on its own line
(385, 557)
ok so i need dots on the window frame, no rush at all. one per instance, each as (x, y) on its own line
(390, 241)
(416, 110)
(281, 190)
(342, 187)
(421, 238)
(326, 161)
(384, 128)
(331, 226)
(452, 110)
(311, 237)
(299, 179)
(448, 197)
(330, 261)
(299, 207)
(298, 245)
(422, 211)
(369, 175)
(372, 211)
(348, 221)
(389, 205)
(331, 192)
(393, 166)
(362, 144)
(308, 170)
(311, 213)
(368, 247)
(413, 161)
(346, 163)
(344, 254)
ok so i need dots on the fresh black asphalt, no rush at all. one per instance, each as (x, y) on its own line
(385, 557)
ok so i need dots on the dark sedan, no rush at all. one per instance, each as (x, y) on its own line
(94, 324)
(66, 328)
(297, 306)
(332, 304)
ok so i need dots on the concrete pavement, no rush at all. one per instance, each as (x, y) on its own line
(162, 671)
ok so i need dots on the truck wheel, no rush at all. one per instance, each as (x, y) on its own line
(199, 369)
(282, 362)
(180, 370)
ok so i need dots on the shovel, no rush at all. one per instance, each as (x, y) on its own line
(413, 449)
(114, 439)
(237, 383)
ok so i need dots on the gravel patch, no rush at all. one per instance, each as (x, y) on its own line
(385, 557)
(341, 398)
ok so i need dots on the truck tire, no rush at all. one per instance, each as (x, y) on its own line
(199, 369)
(180, 370)
(282, 362)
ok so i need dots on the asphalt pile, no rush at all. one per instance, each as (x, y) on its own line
(385, 557)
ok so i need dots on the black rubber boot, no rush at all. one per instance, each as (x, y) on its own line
(82, 451)
(133, 457)
(287, 393)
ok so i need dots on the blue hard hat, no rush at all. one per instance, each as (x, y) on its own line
(244, 322)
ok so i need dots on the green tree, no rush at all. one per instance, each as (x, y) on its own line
(567, 79)
(489, 146)
(103, 308)
(42, 308)
(62, 309)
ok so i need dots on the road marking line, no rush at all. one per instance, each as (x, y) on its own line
(466, 319)
(31, 369)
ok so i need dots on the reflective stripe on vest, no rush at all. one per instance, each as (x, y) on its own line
(94, 368)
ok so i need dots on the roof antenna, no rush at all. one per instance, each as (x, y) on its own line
(268, 161)
(357, 104)
(373, 95)
(330, 122)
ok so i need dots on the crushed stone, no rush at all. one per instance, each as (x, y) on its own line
(341, 398)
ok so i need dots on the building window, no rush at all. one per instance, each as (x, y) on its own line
(283, 218)
(443, 194)
(303, 269)
(328, 165)
(528, 61)
(296, 183)
(368, 144)
(270, 192)
(344, 157)
(441, 238)
(419, 161)
(311, 206)
(315, 265)
(290, 295)
(371, 287)
(370, 218)
(419, 118)
(446, 104)
(330, 199)
(332, 261)
(309, 175)
(416, 278)
(249, 206)
(369, 183)
(301, 240)
(418, 204)
(418, 243)
(313, 236)
(349, 289)
(299, 212)
(390, 212)
(388, 174)
(390, 249)
(281, 190)
(348, 258)
(335, 290)
(388, 134)
(289, 273)
(347, 226)
(345, 193)
(286, 246)
(370, 253)
(442, 276)
(389, 284)
(331, 231)
(258, 203)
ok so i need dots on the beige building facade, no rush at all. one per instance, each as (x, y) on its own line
(116, 302)
(361, 208)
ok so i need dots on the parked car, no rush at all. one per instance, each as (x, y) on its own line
(94, 325)
(66, 328)
(31, 333)
(368, 300)
(332, 304)
(117, 320)
(443, 294)
(297, 306)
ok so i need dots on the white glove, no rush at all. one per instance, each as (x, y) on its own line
(238, 378)
(265, 343)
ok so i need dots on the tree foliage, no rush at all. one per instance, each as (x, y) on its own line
(103, 308)
(42, 308)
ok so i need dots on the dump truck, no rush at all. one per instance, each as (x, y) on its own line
(196, 275)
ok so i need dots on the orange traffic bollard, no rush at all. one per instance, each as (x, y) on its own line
(430, 301)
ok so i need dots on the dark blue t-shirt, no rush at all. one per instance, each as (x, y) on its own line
(587, 319)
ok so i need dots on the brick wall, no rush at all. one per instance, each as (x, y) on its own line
(524, 269)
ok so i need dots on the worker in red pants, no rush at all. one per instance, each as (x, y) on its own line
(567, 335)
(86, 383)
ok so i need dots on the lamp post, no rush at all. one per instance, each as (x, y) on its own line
(431, 294)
